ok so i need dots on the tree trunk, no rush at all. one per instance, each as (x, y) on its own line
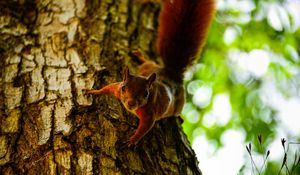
(50, 51)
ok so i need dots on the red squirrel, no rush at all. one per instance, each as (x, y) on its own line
(157, 91)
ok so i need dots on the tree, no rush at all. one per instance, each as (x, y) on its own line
(50, 50)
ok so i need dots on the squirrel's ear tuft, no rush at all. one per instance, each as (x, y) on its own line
(125, 73)
(152, 78)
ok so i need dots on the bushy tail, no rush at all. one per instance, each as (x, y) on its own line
(183, 27)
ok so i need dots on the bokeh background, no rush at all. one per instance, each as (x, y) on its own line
(247, 83)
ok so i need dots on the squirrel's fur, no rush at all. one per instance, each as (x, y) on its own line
(157, 91)
(183, 27)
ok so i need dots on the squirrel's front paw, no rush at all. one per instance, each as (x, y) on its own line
(133, 140)
(127, 144)
(92, 91)
(86, 91)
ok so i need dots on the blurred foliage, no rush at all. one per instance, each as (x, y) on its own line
(252, 45)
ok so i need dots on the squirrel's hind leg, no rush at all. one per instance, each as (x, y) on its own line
(147, 66)
(138, 53)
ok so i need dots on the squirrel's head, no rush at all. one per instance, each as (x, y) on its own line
(135, 90)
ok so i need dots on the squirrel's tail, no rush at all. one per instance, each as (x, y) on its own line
(183, 27)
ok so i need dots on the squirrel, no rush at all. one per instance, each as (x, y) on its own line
(157, 92)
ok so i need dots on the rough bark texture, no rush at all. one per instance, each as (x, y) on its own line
(52, 49)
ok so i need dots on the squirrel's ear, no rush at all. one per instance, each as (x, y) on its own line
(152, 78)
(125, 73)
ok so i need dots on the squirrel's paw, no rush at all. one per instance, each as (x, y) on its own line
(86, 91)
(128, 144)
(139, 54)
(93, 91)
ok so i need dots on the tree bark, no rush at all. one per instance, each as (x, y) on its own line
(50, 51)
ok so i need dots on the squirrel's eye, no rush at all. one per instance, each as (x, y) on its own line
(146, 93)
(123, 88)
